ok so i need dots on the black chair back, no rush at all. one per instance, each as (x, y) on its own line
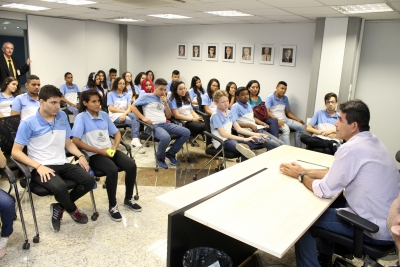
(8, 125)
(207, 122)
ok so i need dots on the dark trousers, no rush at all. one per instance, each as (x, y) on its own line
(7, 212)
(273, 126)
(59, 189)
(195, 128)
(110, 167)
(313, 142)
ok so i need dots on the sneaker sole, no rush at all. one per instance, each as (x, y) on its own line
(115, 220)
(132, 208)
(245, 152)
(172, 162)
(51, 219)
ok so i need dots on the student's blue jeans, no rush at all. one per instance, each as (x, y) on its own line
(162, 132)
(7, 212)
(307, 247)
(273, 142)
(74, 110)
(291, 124)
(273, 126)
(131, 120)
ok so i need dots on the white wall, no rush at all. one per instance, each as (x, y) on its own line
(135, 49)
(80, 47)
(161, 56)
(378, 83)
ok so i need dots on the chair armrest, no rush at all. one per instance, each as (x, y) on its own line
(146, 124)
(9, 174)
(358, 221)
(215, 138)
(23, 168)
(68, 154)
(201, 113)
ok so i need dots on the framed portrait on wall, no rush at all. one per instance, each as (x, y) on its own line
(195, 51)
(247, 53)
(181, 50)
(267, 53)
(229, 52)
(288, 55)
(212, 52)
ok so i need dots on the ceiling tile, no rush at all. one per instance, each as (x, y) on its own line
(237, 5)
(349, 2)
(289, 18)
(204, 7)
(378, 16)
(267, 12)
(396, 5)
(291, 3)
(311, 10)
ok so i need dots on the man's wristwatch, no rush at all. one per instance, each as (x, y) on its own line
(301, 175)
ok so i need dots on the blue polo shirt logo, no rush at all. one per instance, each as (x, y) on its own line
(160, 106)
(101, 137)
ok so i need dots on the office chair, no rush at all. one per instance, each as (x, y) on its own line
(35, 188)
(350, 247)
(150, 137)
(210, 150)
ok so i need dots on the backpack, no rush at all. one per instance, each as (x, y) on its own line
(260, 112)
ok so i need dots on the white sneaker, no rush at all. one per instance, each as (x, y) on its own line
(140, 150)
(136, 142)
(245, 151)
(3, 246)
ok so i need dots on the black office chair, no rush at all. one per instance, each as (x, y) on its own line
(210, 150)
(350, 247)
(150, 137)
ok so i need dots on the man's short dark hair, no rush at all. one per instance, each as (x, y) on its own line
(329, 95)
(175, 72)
(49, 91)
(240, 89)
(66, 74)
(356, 111)
(31, 77)
(282, 82)
(112, 70)
(160, 81)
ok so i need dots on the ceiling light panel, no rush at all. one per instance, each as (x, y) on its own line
(368, 8)
(169, 16)
(71, 2)
(25, 7)
(128, 20)
(229, 13)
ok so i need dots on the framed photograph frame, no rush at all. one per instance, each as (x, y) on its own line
(210, 48)
(288, 55)
(267, 54)
(228, 52)
(181, 50)
(196, 51)
(247, 53)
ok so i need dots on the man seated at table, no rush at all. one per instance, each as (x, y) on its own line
(364, 167)
(322, 126)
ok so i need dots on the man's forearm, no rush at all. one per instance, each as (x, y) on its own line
(316, 174)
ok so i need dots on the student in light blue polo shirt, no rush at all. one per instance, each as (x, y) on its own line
(130, 90)
(27, 104)
(277, 105)
(156, 112)
(94, 82)
(221, 126)
(207, 100)
(9, 90)
(176, 76)
(46, 135)
(92, 128)
(112, 73)
(323, 129)
(138, 82)
(119, 110)
(103, 80)
(196, 91)
(242, 112)
(70, 93)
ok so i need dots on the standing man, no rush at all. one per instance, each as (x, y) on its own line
(370, 177)
(277, 105)
(9, 66)
(27, 104)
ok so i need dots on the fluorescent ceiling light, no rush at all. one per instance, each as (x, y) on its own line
(229, 13)
(128, 20)
(368, 8)
(169, 16)
(25, 7)
(72, 2)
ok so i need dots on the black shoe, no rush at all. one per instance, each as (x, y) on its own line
(325, 260)
(193, 142)
(56, 213)
(114, 213)
(78, 216)
(132, 204)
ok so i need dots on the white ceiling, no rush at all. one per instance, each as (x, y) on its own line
(264, 11)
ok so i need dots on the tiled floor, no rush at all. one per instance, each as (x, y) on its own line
(139, 240)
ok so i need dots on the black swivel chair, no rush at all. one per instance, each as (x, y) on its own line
(210, 150)
(150, 137)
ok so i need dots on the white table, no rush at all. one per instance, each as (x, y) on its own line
(269, 211)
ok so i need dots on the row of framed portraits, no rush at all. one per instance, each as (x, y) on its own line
(247, 53)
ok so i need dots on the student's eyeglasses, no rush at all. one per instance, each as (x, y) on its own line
(330, 102)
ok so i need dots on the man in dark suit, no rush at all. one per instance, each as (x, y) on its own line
(288, 56)
(228, 52)
(9, 66)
